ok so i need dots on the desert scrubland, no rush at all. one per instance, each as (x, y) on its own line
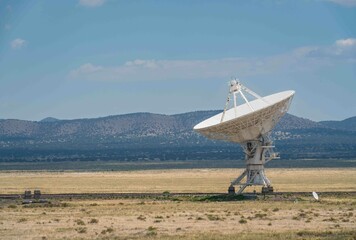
(282, 217)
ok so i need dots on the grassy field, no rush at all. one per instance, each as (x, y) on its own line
(197, 180)
(286, 217)
(332, 218)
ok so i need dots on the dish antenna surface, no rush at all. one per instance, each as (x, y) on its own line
(315, 195)
(250, 125)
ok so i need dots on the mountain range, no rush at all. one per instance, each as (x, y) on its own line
(347, 124)
(145, 136)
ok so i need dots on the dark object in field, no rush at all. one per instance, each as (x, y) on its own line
(26, 201)
(220, 198)
(37, 194)
(231, 190)
(267, 190)
(27, 194)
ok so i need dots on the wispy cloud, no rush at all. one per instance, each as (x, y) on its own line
(157, 70)
(87, 68)
(301, 59)
(91, 3)
(342, 49)
(348, 3)
(348, 42)
(18, 43)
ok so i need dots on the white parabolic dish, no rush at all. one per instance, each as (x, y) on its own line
(244, 124)
(315, 195)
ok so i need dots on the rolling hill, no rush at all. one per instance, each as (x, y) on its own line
(156, 136)
(348, 124)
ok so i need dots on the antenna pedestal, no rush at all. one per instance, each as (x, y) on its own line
(257, 153)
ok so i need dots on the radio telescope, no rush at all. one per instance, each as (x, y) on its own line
(249, 124)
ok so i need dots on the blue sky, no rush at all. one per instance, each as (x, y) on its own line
(91, 58)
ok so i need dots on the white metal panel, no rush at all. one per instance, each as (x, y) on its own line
(246, 124)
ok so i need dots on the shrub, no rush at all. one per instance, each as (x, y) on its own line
(150, 228)
(22, 220)
(81, 230)
(107, 230)
(151, 231)
(93, 220)
(329, 220)
(80, 222)
(302, 215)
(213, 217)
(260, 215)
(243, 221)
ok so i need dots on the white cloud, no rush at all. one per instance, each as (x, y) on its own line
(91, 3)
(160, 70)
(301, 59)
(18, 43)
(341, 49)
(348, 42)
(87, 68)
(348, 3)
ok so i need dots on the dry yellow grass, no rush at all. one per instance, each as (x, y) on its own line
(197, 180)
(141, 218)
(166, 219)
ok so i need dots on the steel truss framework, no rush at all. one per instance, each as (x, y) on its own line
(257, 153)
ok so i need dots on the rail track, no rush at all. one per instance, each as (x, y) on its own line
(164, 195)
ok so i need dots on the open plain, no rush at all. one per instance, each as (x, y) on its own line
(285, 216)
(182, 180)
